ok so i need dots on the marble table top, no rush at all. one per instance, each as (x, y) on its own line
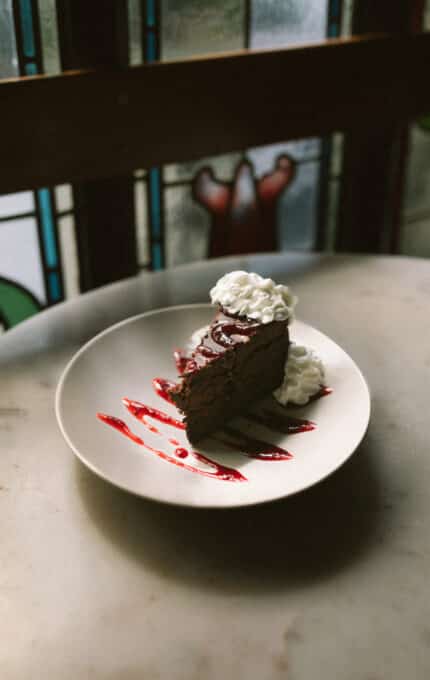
(332, 583)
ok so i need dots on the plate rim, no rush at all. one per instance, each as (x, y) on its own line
(226, 506)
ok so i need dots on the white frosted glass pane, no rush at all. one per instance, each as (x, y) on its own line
(415, 238)
(192, 27)
(263, 157)
(347, 8)
(336, 160)
(8, 56)
(427, 16)
(142, 231)
(332, 212)
(69, 255)
(19, 255)
(223, 166)
(297, 209)
(134, 32)
(277, 23)
(417, 192)
(187, 227)
(64, 197)
(16, 204)
(49, 33)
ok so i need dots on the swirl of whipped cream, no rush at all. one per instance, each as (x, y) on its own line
(304, 375)
(248, 294)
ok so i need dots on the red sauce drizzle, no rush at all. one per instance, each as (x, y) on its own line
(253, 448)
(207, 351)
(181, 360)
(324, 392)
(141, 411)
(181, 452)
(248, 446)
(281, 423)
(217, 472)
(120, 425)
(222, 332)
(162, 387)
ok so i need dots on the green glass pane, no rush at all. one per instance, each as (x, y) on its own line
(20, 255)
(191, 27)
(16, 303)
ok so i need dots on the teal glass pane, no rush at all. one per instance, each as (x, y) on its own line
(8, 54)
(54, 286)
(193, 27)
(26, 14)
(30, 69)
(48, 229)
(278, 23)
(151, 13)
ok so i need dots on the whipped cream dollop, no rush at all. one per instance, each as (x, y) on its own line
(304, 375)
(248, 294)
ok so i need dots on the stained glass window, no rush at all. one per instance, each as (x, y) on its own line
(185, 27)
(291, 186)
(38, 264)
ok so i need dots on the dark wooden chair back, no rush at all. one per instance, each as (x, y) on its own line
(94, 126)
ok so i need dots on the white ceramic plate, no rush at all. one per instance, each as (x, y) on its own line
(123, 360)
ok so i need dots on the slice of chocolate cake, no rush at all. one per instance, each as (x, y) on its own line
(241, 357)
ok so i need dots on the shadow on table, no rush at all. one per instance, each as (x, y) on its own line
(299, 540)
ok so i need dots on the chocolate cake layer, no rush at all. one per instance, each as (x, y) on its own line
(237, 363)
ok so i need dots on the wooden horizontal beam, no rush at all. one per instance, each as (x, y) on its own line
(88, 124)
